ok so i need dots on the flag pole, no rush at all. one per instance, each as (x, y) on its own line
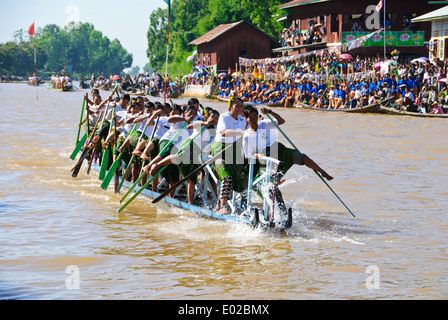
(35, 66)
(167, 48)
(385, 30)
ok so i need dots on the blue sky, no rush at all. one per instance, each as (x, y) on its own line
(127, 21)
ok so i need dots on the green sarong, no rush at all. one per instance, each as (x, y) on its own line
(231, 164)
(188, 159)
(171, 173)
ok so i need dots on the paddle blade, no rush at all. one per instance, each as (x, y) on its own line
(133, 187)
(110, 174)
(77, 168)
(104, 163)
(78, 147)
(126, 173)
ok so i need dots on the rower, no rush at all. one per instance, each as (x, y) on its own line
(187, 160)
(168, 147)
(231, 126)
(275, 149)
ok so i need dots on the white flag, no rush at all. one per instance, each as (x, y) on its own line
(379, 6)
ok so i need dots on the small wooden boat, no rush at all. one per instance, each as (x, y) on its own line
(64, 89)
(308, 107)
(397, 112)
(133, 93)
(84, 85)
(268, 105)
(174, 95)
(223, 99)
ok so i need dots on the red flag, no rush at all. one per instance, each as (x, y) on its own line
(31, 31)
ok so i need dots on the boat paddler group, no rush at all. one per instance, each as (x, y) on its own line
(161, 140)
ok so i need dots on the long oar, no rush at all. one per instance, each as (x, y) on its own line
(144, 173)
(160, 171)
(106, 152)
(105, 156)
(80, 121)
(110, 174)
(167, 192)
(79, 146)
(318, 174)
(128, 168)
(77, 167)
(102, 123)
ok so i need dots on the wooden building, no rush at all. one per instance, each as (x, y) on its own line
(342, 20)
(438, 44)
(223, 45)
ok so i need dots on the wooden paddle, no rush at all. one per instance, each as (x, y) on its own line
(110, 174)
(318, 174)
(159, 172)
(77, 167)
(80, 121)
(102, 123)
(79, 147)
(106, 152)
(144, 173)
(128, 168)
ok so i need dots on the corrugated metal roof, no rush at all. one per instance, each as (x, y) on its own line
(214, 33)
(221, 29)
(297, 3)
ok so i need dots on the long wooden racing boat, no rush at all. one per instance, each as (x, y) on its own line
(376, 107)
(397, 112)
(243, 210)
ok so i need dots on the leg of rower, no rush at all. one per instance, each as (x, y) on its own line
(138, 149)
(149, 147)
(125, 144)
(301, 159)
(191, 191)
(226, 190)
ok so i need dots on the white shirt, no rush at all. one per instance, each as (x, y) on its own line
(259, 140)
(125, 128)
(149, 129)
(171, 133)
(162, 127)
(204, 140)
(410, 95)
(226, 121)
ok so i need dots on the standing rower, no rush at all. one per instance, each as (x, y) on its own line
(231, 127)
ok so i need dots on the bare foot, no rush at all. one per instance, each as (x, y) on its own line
(327, 176)
(145, 157)
(137, 153)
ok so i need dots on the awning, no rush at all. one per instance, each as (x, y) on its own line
(438, 14)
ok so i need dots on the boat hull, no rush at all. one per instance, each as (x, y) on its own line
(252, 220)
(372, 108)
(394, 111)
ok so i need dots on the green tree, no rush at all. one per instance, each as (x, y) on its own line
(79, 48)
(192, 18)
(157, 38)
